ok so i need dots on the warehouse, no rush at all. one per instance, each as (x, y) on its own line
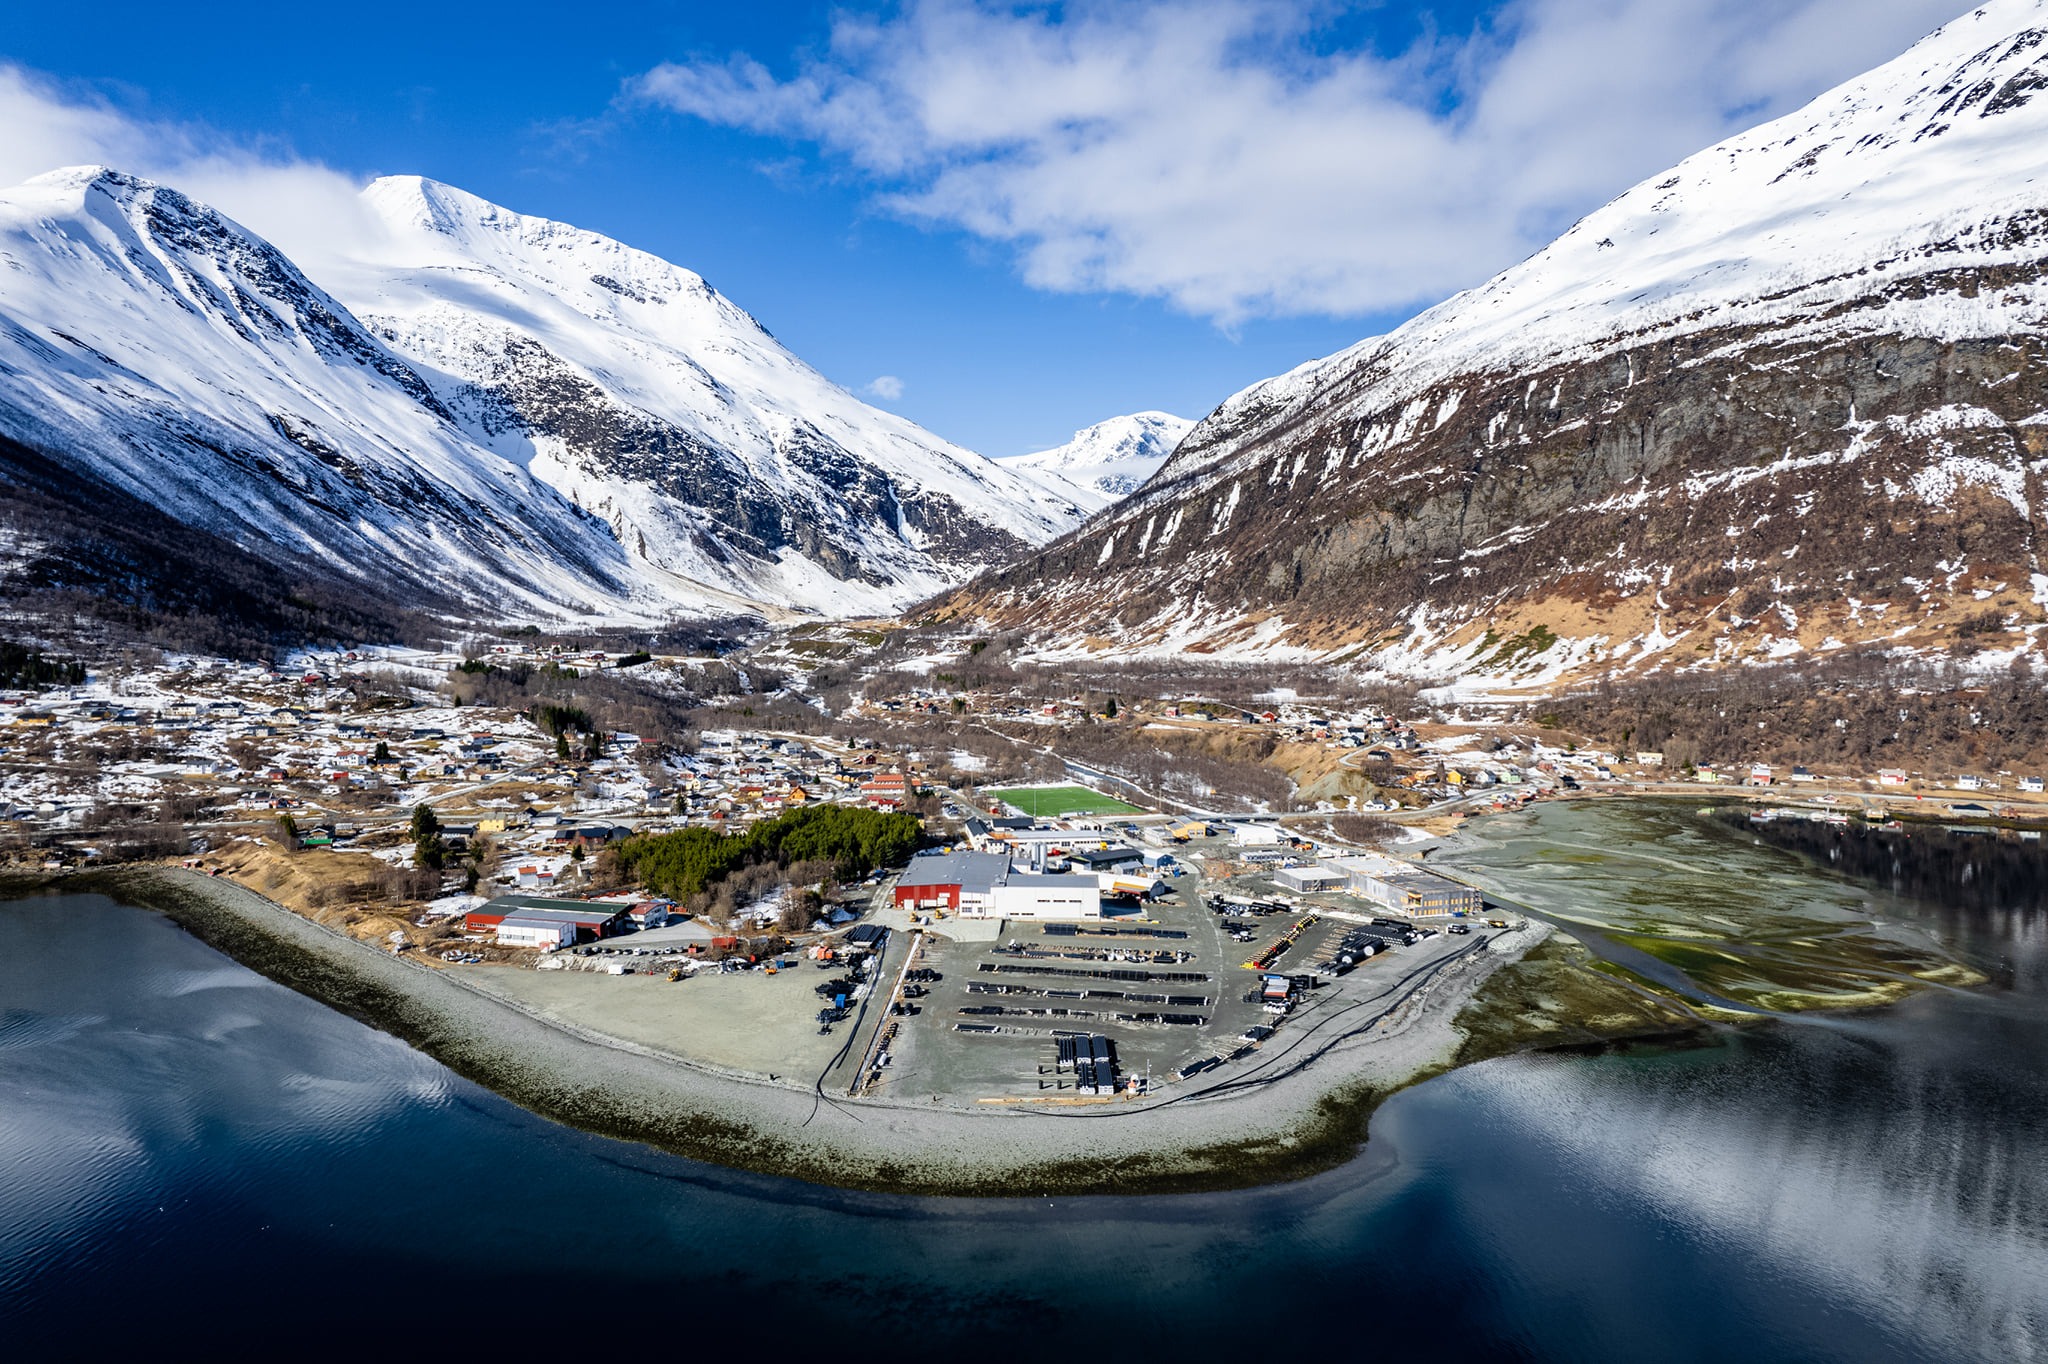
(1020, 896)
(522, 930)
(957, 881)
(983, 886)
(589, 919)
(1405, 889)
(1308, 880)
(1115, 858)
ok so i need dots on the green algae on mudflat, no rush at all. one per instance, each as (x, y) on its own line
(1560, 995)
(1752, 925)
(1846, 969)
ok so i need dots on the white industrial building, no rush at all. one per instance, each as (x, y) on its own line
(1308, 880)
(1258, 836)
(517, 931)
(1404, 888)
(1044, 897)
(985, 886)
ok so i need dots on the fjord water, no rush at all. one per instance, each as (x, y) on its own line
(191, 1154)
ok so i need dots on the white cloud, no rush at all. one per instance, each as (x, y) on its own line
(1209, 153)
(887, 387)
(309, 211)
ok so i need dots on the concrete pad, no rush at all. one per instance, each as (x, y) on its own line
(747, 1021)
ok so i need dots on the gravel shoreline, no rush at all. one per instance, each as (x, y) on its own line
(1309, 1117)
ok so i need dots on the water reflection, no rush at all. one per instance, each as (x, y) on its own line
(221, 1156)
(1985, 893)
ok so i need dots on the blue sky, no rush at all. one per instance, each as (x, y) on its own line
(1034, 217)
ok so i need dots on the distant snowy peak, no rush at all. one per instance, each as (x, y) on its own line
(1109, 460)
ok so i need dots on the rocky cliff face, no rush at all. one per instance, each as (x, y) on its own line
(1791, 396)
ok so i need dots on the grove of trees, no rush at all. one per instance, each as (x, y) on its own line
(851, 841)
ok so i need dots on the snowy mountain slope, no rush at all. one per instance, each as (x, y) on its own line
(646, 397)
(533, 419)
(1108, 461)
(156, 347)
(1802, 370)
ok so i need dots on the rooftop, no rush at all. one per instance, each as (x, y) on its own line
(974, 869)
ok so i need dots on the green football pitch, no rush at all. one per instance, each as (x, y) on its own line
(1038, 801)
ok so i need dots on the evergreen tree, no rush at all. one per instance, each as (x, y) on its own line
(429, 853)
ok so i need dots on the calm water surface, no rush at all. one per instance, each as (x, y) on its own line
(190, 1154)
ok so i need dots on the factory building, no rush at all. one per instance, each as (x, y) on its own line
(518, 930)
(1405, 889)
(587, 920)
(984, 886)
(1308, 880)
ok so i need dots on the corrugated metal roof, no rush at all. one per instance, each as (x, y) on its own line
(968, 870)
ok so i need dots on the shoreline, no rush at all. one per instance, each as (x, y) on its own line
(1311, 1117)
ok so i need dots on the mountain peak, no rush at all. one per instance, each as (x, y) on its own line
(428, 216)
(420, 202)
(71, 184)
(80, 176)
(1108, 460)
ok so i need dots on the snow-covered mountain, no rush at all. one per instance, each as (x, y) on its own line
(1788, 396)
(521, 417)
(646, 397)
(1108, 461)
(151, 345)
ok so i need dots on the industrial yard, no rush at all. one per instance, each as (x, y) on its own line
(1214, 973)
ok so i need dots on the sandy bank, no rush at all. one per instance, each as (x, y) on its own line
(1298, 1106)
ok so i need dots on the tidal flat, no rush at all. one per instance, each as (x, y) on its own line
(1699, 913)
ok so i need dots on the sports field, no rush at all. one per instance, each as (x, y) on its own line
(1038, 801)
